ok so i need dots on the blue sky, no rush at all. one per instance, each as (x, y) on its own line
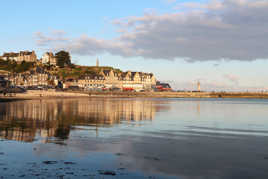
(163, 52)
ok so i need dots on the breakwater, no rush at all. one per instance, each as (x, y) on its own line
(182, 94)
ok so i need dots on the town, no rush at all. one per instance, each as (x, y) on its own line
(24, 71)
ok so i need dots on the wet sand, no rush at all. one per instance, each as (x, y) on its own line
(194, 158)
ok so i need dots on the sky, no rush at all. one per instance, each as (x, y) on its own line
(221, 43)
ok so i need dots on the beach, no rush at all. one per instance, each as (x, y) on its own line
(42, 94)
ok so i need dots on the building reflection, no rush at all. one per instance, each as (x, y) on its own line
(29, 120)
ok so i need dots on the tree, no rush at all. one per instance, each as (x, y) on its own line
(24, 66)
(63, 59)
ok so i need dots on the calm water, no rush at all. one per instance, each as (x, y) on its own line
(134, 138)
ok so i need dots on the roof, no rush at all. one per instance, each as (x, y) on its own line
(49, 54)
(164, 85)
(26, 53)
(11, 54)
(106, 72)
(21, 53)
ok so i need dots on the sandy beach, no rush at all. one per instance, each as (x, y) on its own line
(39, 94)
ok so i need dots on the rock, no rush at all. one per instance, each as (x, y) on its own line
(121, 169)
(107, 172)
(151, 158)
(119, 154)
(49, 162)
(60, 176)
(69, 163)
(69, 173)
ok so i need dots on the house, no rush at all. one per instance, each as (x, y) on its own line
(92, 81)
(10, 56)
(26, 56)
(29, 80)
(70, 83)
(110, 79)
(49, 58)
(37, 79)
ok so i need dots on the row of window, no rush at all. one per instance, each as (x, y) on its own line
(94, 85)
(118, 79)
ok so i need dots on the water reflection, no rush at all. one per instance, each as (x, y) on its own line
(138, 138)
(26, 120)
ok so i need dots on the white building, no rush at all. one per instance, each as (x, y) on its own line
(26, 56)
(49, 58)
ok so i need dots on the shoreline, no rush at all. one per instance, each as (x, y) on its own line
(37, 94)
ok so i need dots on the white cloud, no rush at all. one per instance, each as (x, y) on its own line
(228, 29)
(211, 5)
(170, 1)
(232, 78)
(55, 37)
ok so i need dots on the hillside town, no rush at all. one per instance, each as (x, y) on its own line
(24, 70)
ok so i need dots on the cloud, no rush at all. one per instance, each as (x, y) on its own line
(55, 37)
(211, 5)
(216, 30)
(232, 78)
(170, 1)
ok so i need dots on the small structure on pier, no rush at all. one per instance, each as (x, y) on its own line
(97, 62)
(198, 86)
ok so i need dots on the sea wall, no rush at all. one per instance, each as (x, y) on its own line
(181, 94)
